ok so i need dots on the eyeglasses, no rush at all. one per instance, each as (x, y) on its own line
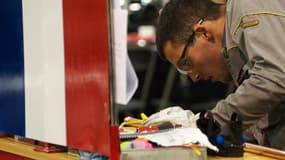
(184, 66)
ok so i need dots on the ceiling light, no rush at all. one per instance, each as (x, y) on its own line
(145, 2)
(135, 7)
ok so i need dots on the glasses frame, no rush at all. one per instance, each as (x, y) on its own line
(181, 61)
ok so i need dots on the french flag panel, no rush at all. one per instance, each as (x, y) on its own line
(44, 70)
(12, 94)
(54, 72)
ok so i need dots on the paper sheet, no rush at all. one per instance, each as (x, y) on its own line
(126, 79)
(180, 136)
(175, 115)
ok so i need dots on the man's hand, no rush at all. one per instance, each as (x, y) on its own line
(229, 138)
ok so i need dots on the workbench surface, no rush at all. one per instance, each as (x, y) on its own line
(247, 156)
(27, 150)
(8, 144)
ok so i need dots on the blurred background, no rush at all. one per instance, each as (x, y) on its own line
(160, 85)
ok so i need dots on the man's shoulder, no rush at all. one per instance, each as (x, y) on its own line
(248, 13)
(243, 7)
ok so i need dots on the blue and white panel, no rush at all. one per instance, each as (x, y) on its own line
(32, 69)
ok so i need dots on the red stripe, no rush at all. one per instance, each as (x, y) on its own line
(87, 75)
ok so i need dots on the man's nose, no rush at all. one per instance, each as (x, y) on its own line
(194, 76)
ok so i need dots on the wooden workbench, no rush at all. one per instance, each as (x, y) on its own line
(8, 145)
(247, 156)
(257, 152)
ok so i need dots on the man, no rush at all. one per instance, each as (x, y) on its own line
(237, 41)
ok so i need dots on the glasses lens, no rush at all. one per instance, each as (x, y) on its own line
(182, 71)
(185, 64)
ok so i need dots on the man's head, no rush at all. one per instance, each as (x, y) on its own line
(189, 35)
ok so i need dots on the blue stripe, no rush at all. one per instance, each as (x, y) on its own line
(12, 95)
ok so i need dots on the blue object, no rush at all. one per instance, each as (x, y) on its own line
(244, 138)
(220, 139)
(12, 93)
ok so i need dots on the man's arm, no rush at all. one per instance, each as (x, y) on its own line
(257, 96)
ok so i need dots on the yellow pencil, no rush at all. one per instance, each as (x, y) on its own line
(143, 116)
(196, 150)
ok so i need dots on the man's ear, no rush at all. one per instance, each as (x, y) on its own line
(203, 31)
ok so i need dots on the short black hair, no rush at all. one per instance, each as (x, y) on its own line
(177, 18)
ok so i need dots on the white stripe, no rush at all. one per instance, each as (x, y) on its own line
(44, 70)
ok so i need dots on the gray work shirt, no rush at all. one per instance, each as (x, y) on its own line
(255, 44)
